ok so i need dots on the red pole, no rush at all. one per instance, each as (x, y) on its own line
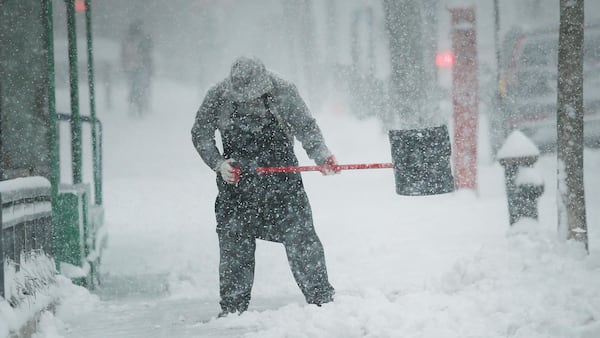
(465, 96)
(270, 170)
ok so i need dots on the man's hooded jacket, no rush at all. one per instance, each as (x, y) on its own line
(259, 115)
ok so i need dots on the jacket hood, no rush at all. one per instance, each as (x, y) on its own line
(248, 79)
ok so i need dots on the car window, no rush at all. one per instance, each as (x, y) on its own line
(534, 83)
(540, 53)
(534, 74)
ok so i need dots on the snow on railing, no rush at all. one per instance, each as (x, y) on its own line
(26, 238)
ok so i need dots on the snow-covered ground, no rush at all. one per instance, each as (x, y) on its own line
(438, 266)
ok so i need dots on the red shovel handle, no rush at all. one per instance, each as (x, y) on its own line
(270, 170)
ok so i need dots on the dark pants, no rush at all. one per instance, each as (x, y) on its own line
(305, 256)
(139, 92)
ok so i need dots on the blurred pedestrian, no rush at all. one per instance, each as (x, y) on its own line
(138, 65)
(258, 115)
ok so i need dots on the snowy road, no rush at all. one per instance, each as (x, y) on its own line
(439, 266)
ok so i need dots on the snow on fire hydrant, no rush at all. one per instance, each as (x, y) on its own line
(524, 184)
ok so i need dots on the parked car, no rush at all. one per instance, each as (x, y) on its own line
(527, 92)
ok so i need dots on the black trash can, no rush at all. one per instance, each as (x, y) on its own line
(422, 161)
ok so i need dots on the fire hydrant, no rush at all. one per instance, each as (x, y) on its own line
(524, 185)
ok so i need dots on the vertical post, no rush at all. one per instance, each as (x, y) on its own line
(465, 96)
(54, 157)
(572, 222)
(54, 142)
(1, 151)
(2, 250)
(90, 72)
(76, 161)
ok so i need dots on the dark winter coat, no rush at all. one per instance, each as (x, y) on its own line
(259, 133)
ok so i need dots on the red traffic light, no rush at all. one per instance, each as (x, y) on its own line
(444, 59)
(79, 6)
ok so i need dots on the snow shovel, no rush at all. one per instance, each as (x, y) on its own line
(421, 162)
(293, 169)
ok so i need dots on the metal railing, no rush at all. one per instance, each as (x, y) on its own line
(96, 151)
(26, 220)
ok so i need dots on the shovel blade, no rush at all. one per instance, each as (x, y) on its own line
(422, 161)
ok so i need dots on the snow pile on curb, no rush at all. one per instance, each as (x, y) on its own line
(72, 300)
(529, 285)
(29, 289)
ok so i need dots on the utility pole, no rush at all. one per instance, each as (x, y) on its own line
(571, 196)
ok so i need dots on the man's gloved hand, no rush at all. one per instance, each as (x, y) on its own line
(229, 173)
(330, 167)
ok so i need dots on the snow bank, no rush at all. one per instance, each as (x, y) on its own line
(529, 285)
